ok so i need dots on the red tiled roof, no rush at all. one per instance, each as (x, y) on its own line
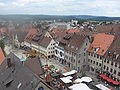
(2, 57)
(27, 30)
(31, 34)
(101, 43)
(72, 30)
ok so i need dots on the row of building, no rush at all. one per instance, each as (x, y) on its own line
(97, 52)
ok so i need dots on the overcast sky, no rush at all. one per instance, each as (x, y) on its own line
(61, 7)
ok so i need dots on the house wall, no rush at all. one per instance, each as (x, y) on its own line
(51, 48)
(95, 62)
(77, 60)
(59, 50)
(113, 68)
(99, 64)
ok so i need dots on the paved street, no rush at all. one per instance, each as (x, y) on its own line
(19, 54)
(53, 62)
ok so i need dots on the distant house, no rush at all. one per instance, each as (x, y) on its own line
(29, 36)
(71, 50)
(41, 42)
(19, 37)
(14, 75)
(100, 44)
(2, 56)
(44, 45)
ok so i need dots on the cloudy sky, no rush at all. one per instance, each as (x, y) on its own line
(61, 7)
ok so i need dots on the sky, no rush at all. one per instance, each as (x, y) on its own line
(61, 7)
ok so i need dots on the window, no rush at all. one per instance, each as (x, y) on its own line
(79, 61)
(100, 64)
(107, 68)
(100, 57)
(96, 63)
(61, 54)
(40, 88)
(107, 61)
(114, 71)
(97, 56)
(111, 62)
(115, 64)
(91, 54)
(91, 61)
(104, 66)
(79, 55)
(86, 44)
(111, 70)
(56, 51)
(118, 73)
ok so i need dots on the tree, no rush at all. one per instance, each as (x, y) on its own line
(2, 44)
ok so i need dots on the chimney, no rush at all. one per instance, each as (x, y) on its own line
(9, 63)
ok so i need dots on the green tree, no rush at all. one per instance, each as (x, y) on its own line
(2, 44)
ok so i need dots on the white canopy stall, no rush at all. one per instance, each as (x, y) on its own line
(83, 79)
(70, 73)
(102, 87)
(80, 86)
(66, 79)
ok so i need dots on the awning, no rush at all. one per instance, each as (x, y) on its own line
(116, 82)
(102, 75)
(105, 78)
(110, 80)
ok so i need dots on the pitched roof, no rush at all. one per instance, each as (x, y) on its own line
(21, 35)
(35, 65)
(75, 42)
(101, 43)
(41, 40)
(45, 41)
(17, 76)
(30, 35)
(72, 30)
(2, 57)
(107, 28)
(114, 50)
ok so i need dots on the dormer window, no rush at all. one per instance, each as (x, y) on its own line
(96, 49)
(19, 85)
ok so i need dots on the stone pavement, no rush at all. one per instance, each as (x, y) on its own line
(53, 62)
